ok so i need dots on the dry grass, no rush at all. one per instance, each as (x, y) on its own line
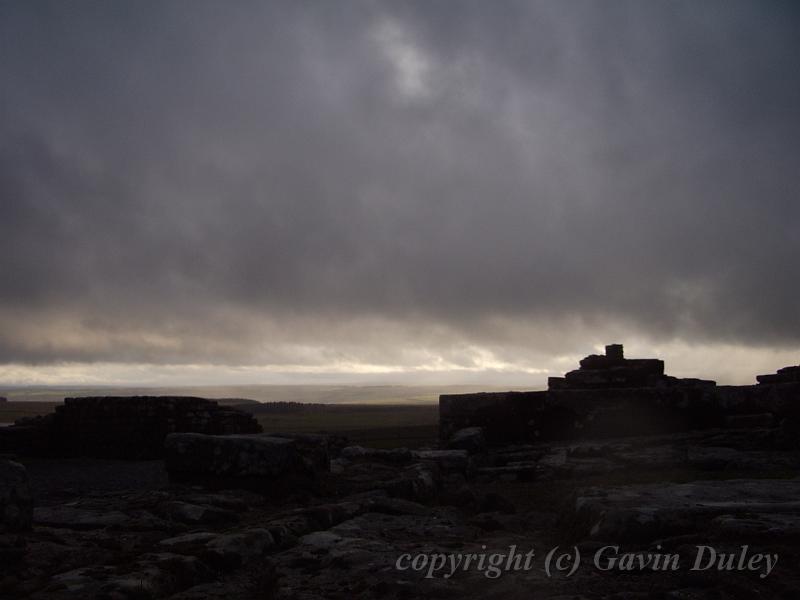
(12, 410)
(369, 425)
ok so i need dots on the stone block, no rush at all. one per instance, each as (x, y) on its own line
(255, 461)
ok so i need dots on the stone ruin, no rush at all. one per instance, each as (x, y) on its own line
(121, 427)
(613, 371)
(784, 375)
(611, 396)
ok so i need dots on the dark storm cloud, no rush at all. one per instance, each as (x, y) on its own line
(205, 181)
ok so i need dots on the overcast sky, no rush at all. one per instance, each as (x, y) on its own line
(204, 192)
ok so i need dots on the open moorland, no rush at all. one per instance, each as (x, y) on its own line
(381, 424)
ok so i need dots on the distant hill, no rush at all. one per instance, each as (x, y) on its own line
(234, 401)
(248, 394)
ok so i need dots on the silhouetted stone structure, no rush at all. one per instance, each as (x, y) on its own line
(610, 395)
(784, 375)
(121, 427)
(613, 371)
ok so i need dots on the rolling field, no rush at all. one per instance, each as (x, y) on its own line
(12, 410)
(366, 425)
(319, 394)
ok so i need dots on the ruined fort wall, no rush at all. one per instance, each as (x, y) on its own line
(612, 412)
(121, 427)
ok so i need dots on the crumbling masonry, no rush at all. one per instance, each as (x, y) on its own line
(611, 396)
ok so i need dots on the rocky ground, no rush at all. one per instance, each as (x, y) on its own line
(121, 529)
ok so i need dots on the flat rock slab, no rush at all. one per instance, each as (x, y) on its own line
(446, 459)
(518, 471)
(157, 575)
(195, 514)
(471, 439)
(758, 526)
(231, 550)
(643, 512)
(189, 542)
(239, 455)
(68, 517)
(394, 455)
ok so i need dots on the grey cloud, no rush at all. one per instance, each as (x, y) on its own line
(214, 182)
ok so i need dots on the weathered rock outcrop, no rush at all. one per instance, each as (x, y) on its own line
(649, 511)
(16, 506)
(121, 427)
(259, 462)
(344, 539)
(471, 439)
(16, 509)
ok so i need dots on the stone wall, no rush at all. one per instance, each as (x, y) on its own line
(121, 427)
(611, 396)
